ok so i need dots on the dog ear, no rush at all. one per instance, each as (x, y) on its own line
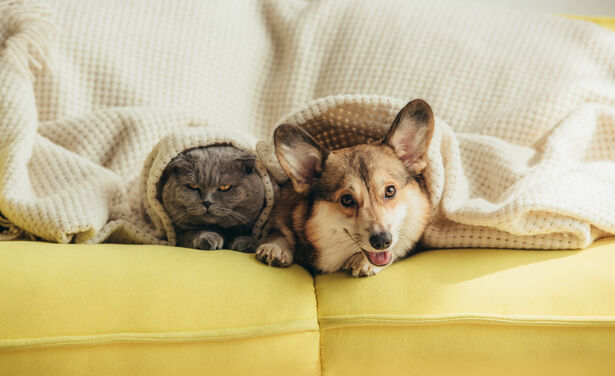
(410, 134)
(300, 155)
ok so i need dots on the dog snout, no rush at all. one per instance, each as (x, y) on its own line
(381, 240)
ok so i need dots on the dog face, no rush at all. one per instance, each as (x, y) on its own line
(364, 198)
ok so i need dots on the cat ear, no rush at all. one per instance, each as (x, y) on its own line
(410, 134)
(247, 160)
(249, 164)
(300, 155)
(179, 165)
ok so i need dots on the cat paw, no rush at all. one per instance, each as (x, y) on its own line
(243, 244)
(208, 240)
(274, 255)
(358, 266)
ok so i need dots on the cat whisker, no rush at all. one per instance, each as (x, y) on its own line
(181, 217)
(193, 210)
(239, 217)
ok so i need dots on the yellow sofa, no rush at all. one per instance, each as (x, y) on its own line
(152, 310)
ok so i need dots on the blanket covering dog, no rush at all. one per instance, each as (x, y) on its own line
(524, 150)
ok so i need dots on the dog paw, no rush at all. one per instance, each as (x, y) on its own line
(274, 255)
(358, 266)
(243, 244)
(208, 240)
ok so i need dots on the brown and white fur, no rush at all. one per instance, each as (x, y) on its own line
(359, 208)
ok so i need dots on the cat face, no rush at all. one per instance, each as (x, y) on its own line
(213, 185)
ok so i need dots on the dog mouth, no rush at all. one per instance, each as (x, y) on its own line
(375, 258)
(378, 258)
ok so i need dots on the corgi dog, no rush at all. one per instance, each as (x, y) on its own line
(357, 209)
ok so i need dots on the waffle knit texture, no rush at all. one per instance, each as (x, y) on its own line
(524, 150)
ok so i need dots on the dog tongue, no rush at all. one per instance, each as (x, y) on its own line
(379, 258)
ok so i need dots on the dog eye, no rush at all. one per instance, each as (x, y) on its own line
(194, 187)
(389, 191)
(224, 188)
(347, 200)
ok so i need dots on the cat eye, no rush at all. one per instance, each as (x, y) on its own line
(347, 200)
(390, 191)
(192, 186)
(224, 188)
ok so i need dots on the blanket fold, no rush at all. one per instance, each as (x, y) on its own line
(486, 192)
(524, 150)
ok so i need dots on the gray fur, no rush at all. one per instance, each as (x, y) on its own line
(228, 221)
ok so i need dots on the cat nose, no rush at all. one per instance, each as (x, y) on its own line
(381, 240)
(207, 203)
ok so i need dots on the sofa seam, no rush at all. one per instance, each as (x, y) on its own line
(339, 321)
(320, 355)
(305, 326)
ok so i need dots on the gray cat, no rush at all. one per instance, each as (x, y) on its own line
(213, 195)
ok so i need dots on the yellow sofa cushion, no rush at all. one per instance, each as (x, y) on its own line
(474, 312)
(144, 310)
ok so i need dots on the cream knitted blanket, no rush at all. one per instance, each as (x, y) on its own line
(523, 155)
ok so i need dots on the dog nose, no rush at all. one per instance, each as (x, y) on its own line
(207, 203)
(381, 240)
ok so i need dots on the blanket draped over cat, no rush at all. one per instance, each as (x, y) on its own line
(523, 154)
(180, 141)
